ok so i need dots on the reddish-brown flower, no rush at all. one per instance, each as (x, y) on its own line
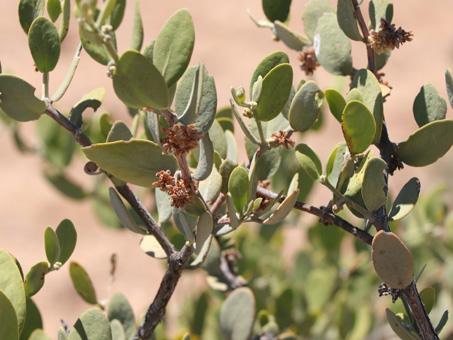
(178, 189)
(281, 138)
(388, 37)
(181, 139)
(308, 61)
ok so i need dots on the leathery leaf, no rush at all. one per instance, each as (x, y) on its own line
(406, 200)
(82, 283)
(358, 126)
(238, 184)
(92, 324)
(283, 209)
(44, 44)
(309, 161)
(373, 184)
(306, 107)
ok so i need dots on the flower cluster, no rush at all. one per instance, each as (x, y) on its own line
(281, 138)
(388, 37)
(308, 60)
(178, 189)
(181, 139)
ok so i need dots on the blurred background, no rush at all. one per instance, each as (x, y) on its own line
(231, 46)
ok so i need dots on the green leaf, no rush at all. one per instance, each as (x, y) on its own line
(369, 87)
(105, 12)
(336, 103)
(12, 286)
(306, 107)
(380, 9)
(44, 43)
(347, 19)
(121, 310)
(185, 223)
(151, 247)
(428, 296)
(283, 209)
(275, 92)
(291, 39)
(164, 208)
(65, 186)
(237, 185)
(232, 148)
(67, 237)
(93, 44)
(268, 164)
(217, 136)
(335, 162)
(392, 260)
(82, 283)
(174, 46)
(354, 94)
(33, 320)
(35, 278)
(314, 10)
(117, 330)
(319, 286)
(210, 187)
(267, 64)
(355, 182)
(29, 10)
(225, 170)
(406, 200)
(381, 59)
(204, 234)
(136, 161)
(9, 325)
(92, 99)
(429, 106)
(449, 82)
(123, 214)
(427, 144)
(92, 324)
(64, 23)
(52, 246)
(332, 46)
(358, 126)
(117, 14)
(232, 213)
(53, 9)
(309, 161)
(276, 9)
(62, 334)
(39, 334)
(138, 83)
(442, 322)
(137, 29)
(18, 100)
(398, 326)
(119, 132)
(374, 184)
(237, 315)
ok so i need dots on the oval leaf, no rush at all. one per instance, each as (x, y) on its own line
(12, 286)
(365, 81)
(33, 320)
(164, 207)
(35, 278)
(29, 10)
(174, 45)
(306, 107)
(309, 161)
(427, 144)
(92, 324)
(392, 260)
(358, 126)
(204, 233)
(237, 315)
(137, 29)
(135, 162)
(210, 187)
(283, 209)
(119, 131)
(266, 65)
(428, 296)
(449, 82)
(374, 184)
(406, 200)
(313, 10)
(336, 103)
(237, 186)
(117, 14)
(52, 246)
(428, 105)
(347, 20)
(292, 40)
(151, 247)
(121, 310)
(123, 214)
(380, 9)
(398, 327)
(82, 283)
(276, 9)
(17, 99)
(138, 83)
(332, 46)
(275, 92)
(9, 326)
(53, 9)
(44, 43)
(67, 236)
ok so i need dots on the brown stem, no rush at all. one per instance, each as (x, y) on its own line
(326, 217)
(366, 34)
(424, 323)
(176, 263)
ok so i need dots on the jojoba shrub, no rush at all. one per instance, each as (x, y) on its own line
(226, 180)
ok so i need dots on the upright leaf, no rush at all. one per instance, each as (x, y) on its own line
(314, 10)
(380, 9)
(332, 46)
(136, 161)
(429, 106)
(121, 310)
(44, 43)
(92, 324)
(309, 161)
(137, 29)
(336, 103)
(67, 237)
(53, 9)
(204, 233)
(406, 200)
(373, 184)
(119, 131)
(347, 19)
(306, 107)
(82, 283)
(237, 185)
(358, 127)
(123, 214)
(449, 82)
(33, 320)
(267, 64)
(64, 23)
(117, 14)
(29, 10)
(138, 83)
(276, 9)
(174, 46)
(427, 144)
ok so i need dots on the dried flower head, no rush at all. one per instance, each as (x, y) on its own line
(178, 189)
(281, 138)
(181, 139)
(308, 60)
(388, 37)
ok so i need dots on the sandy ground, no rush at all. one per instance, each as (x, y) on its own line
(230, 46)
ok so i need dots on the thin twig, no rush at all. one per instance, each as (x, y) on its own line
(326, 217)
